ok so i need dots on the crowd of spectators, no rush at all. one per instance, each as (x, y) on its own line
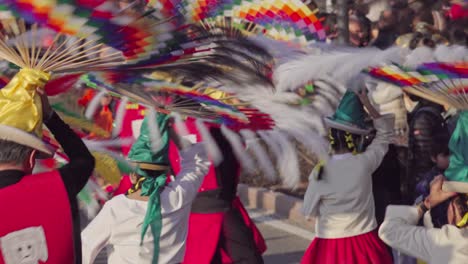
(382, 23)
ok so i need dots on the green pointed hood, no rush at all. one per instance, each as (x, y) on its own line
(458, 145)
(350, 115)
(142, 153)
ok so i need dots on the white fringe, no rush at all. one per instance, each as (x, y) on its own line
(94, 104)
(260, 154)
(119, 117)
(236, 142)
(210, 144)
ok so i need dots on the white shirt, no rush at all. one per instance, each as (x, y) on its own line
(446, 245)
(119, 223)
(342, 200)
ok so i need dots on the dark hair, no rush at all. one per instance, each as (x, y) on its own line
(425, 16)
(440, 146)
(13, 152)
(338, 140)
(458, 35)
(424, 39)
(439, 213)
(461, 203)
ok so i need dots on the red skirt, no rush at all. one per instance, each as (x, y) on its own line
(362, 249)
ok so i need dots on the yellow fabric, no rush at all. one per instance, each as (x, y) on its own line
(219, 95)
(20, 103)
(107, 167)
(464, 221)
(420, 262)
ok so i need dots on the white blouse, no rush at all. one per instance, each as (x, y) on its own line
(342, 200)
(119, 223)
(446, 245)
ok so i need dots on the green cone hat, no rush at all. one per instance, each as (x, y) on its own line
(350, 115)
(142, 151)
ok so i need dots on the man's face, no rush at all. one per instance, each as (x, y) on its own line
(357, 34)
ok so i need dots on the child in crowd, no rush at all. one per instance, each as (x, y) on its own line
(440, 157)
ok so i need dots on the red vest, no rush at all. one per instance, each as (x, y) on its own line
(36, 223)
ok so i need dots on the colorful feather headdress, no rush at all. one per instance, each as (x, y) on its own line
(107, 37)
(442, 83)
(283, 20)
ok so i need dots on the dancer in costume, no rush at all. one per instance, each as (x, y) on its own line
(339, 194)
(448, 244)
(124, 221)
(43, 223)
(220, 230)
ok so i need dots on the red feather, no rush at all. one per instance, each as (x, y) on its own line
(61, 84)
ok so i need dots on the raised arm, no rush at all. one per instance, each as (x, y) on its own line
(399, 229)
(182, 191)
(384, 124)
(77, 172)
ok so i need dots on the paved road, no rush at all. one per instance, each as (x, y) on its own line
(286, 242)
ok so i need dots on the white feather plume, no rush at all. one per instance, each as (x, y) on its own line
(280, 50)
(272, 144)
(113, 143)
(339, 65)
(94, 104)
(236, 142)
(155, 133)
(454, 53)
(119, 117)
(210, 144)
(288, 161)
(181, 128)
(419, 56)
(260, 154)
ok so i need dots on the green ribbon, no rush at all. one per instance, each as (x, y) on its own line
(153, 185)
(350, 111)
(458, 145)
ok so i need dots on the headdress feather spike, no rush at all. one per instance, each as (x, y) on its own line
(94, 104)
(119, 117)
(238, 148)
(210, 144)
(155, 135)
(259, 153)
(289, 161)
